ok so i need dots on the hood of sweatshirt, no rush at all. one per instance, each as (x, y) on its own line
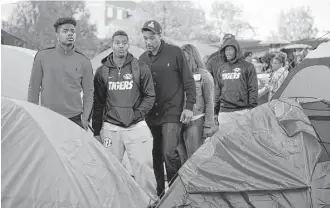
(231, 42)
(108, 60)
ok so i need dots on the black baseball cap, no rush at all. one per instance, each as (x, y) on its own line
(153, 26)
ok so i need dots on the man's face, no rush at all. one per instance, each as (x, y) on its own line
(66, 34)
(151, 40)
(120, 46)
(230, 53)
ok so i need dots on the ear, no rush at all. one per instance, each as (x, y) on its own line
(57, 36)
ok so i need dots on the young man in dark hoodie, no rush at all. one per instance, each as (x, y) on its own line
(124, 94)
(214, 62)
(172, 78)
(236, 84)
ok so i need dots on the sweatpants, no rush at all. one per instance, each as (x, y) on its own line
(192, 138)
(137, 141)
(166, 141)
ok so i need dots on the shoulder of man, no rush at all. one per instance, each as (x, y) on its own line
(102, 71)
(81, 54)
(46, 50)
(143, 56)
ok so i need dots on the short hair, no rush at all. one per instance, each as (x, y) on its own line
(64, 20)
(119, 32)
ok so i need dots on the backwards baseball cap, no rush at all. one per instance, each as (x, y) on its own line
(153, 26)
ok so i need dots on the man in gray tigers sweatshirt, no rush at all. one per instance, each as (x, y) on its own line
(60, 74)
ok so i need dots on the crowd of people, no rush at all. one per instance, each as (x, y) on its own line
(159, 107)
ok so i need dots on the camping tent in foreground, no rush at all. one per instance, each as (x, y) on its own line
(309, 84)
(267, 157)
(48, 161)
(16, 66)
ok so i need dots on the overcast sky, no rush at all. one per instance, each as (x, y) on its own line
(261, 14)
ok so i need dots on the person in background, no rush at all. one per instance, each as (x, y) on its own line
(59, 75)
(172, 80)
(257, 65)
(215, 60)
(124, 94)
(236, 86)
(202, 124)
(266, 62)
(206, 59)
(278, 75)
(248, 56)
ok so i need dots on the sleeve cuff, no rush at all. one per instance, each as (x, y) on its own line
(189, 105)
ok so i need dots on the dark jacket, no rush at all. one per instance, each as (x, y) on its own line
(172, 78)
(236, 86)
(121, 101)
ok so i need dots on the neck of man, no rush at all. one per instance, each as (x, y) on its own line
(119, 61)
(154, 52)
(66, 47)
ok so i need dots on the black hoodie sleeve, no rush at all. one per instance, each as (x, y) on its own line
(252, 86)
(147, 93)
(99, 101)
(188, 80)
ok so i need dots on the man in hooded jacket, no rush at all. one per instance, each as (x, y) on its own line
(124, 94)
(236, 83)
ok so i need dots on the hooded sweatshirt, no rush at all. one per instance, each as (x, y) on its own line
(119, 100)
(59, 77)
(236, 83)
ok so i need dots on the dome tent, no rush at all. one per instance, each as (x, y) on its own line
(16, 67)
(267, 157)
(309, 84)
(48, 161)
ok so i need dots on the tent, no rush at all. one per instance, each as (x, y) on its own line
(309, 83)
(96, 61)
(267, 157)
(16, 66)
(48, 161)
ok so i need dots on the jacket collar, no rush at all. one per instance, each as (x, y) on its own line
(162, 43)
(69, 52)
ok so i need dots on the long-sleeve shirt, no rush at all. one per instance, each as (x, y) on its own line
(172, 78)
(58, 77)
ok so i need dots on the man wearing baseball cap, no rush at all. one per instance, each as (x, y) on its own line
(172, 79)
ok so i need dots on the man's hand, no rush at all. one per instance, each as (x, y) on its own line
(186, 116)
(85, 124)
(98, 138)
(207, 132)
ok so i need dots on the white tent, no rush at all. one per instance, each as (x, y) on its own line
(16, 66)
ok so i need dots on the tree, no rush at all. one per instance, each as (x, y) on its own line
(179, 19)
(33, 21)
(297, 24)
(226, 18)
